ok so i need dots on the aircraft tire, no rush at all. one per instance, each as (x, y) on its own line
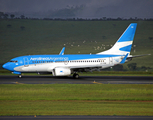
(20, 76)
(76, 76)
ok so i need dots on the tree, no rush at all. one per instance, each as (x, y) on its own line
(118, 68)
(150, 38)
(12, 16)
(22, 17)
(9, 26)
(1, 15)
(132, 66)
(22, 27)
(103, 36)
(5, 16)
(104, 18)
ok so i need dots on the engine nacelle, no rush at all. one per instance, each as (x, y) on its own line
(61, 72)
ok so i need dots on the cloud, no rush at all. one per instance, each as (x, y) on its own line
(83, 8)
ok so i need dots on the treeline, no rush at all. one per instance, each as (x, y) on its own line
(130, 67)
(12, 16)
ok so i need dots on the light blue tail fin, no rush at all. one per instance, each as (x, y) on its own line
(124, 43)
(129, 33)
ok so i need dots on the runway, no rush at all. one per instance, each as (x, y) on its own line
(77, 117)
(11, 79)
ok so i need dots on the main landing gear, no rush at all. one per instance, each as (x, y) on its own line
(20, 76)
(75, 75)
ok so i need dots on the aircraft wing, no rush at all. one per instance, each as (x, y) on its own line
(62, 51)
(124, 59)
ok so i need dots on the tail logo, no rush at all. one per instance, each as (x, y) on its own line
(126, 48)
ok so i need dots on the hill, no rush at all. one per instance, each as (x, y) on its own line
(28, 37)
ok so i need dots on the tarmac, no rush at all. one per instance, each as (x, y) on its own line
(43, 79)
(76, 117)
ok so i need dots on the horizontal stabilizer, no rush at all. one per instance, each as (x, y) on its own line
(124, 59)
(133, 56)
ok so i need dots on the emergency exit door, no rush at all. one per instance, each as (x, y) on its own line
(110, 60)
(26, 62)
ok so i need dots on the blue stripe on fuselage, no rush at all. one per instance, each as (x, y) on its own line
(54, 58)
(67, 57)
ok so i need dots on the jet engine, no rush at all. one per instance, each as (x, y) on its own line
(61, 72)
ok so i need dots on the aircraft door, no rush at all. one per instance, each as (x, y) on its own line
(66, 62)
(26, 62)
(110, 60)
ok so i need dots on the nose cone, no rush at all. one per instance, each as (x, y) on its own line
(6, 66)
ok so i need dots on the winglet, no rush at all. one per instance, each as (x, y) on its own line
(124, 59)
(62, 51)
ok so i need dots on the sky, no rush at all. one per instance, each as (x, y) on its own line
(79, 8)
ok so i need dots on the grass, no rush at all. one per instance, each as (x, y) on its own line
(76, 99)
(76, 92)
(24, 107)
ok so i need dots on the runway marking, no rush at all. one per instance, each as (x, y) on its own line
(18, 83)
(96, 82)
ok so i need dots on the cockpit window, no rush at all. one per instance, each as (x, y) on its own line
(14, 61)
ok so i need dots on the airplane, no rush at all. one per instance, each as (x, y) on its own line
(65, 65)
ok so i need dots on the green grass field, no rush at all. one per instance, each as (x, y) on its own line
(79, 37)
(79, 107)
(76, 99)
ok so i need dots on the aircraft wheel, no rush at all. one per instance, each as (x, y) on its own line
(76, 76)
(20, 76)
